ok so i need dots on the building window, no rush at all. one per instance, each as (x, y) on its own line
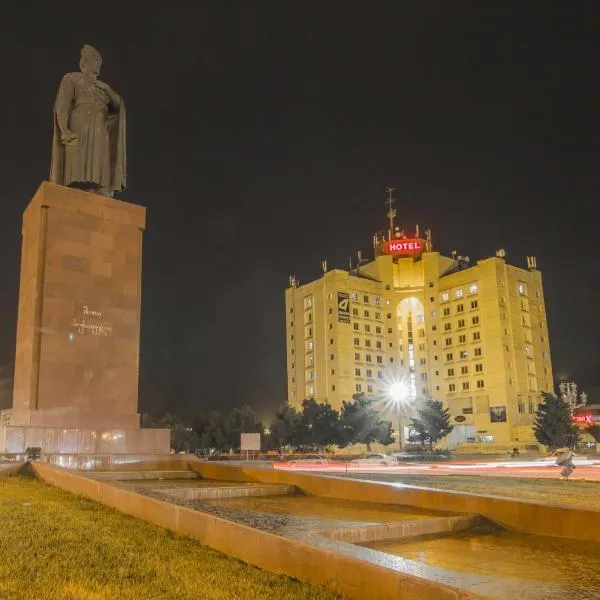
(366, 299)
(291, 311)
(437, 372)
(370, 389)
(310, 346)
(464, 370)
(368, 358)
(465, 385)
(474, 304)
(331, 356)
(367, 314)
(368, 328)
(310, 360)
(477, 352)
(356, 356)
(378, 330)
(445, 296)
(478, 368)
(459, 293)
(422, 361)
(461, 323)
(433, 314)
(357, 341)
(331, 340)
(423, 376)
(378, 315)
(462, 339)
(480, 384)
(358, 387)
(475, 320)
(476, 336)
(292, 351)
(330, 326)
(522, 287)
(450, 372)
(354, 297)
(451, 387)
(530, 407)
(448, 341)
(379, 374)
(473, 288)
(446, 311)
(356, 327)
(521, 407)
(460, 308)
(421, 333)
(379, 360)
(308, 302)
(368, 343)
(378, 301)
(447, 326)
(293, 380)
(389, 330)
(330, 310)
(378, 345)
(357, 372)
(369, 372)
(333, 388)
(463, 354)
(420, 319)
(355, 312)
(332, 372)
(449, 356)
(293, 365)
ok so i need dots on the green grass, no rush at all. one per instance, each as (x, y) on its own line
(577, 493)
(55, 545)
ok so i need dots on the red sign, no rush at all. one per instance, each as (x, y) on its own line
(586, 419)
(409, 246)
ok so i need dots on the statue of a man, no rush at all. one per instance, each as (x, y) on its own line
(88, 148)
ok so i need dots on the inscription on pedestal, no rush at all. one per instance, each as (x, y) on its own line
(91, 322)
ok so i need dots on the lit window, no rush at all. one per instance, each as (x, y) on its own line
(311, 391)
(420, 319)
(433, 313)
(459, 293)
(354, 296)
(308, 302)
(310, 359)
(310, 345)
(522, 287)
(463, 354)
(445, 296)
(473, 288)
(378, 301)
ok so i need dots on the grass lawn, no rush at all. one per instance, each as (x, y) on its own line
(55, 545)
(574, 492)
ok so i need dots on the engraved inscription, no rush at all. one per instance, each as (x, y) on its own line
(91, 322)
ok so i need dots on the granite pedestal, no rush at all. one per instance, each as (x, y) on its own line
(78, 330)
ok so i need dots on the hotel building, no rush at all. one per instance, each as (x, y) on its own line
(472, 335)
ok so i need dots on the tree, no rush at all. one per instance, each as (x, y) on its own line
(553, 425)
(238, 421)
(432, 425)
(320, 425)
(285, 430)
(594, 431)
(183, 438)
(211, 431)
(360, 423)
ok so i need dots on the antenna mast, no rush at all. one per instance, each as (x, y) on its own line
(391, 214)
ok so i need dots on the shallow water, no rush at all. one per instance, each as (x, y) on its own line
(506, 554)
(325, 508)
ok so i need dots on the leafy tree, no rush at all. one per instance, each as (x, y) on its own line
(238, 421)
(285, 430)
(211, 431)
(594, 431)
(319, 425)
(183, 438)
(360, 423)
(432, 425)
(553, 424)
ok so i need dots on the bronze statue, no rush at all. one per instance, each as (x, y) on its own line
(88, 148)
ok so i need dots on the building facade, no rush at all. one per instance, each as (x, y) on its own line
(472, 335)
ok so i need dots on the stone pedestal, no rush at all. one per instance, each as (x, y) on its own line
(78, 331)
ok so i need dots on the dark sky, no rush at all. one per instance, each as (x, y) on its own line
(261, 136)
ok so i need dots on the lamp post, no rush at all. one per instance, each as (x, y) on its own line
(398, 392)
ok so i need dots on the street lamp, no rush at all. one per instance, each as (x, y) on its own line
(398, 392)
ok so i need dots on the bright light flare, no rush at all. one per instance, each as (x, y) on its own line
(398, 391)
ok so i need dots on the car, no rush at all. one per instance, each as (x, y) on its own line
(420, 456)
(371, 460)
(316, 459)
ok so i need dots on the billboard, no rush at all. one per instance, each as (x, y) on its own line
(250, 441)
(343, 300)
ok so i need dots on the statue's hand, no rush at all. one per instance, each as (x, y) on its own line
(68, 138)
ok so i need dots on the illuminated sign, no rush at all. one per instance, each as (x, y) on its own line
(586, 419)
(343, 307)
(408, 246)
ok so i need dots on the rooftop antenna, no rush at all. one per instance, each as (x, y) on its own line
(391, 214)
(324, 266)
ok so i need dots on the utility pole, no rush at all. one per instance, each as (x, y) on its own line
(391, 214)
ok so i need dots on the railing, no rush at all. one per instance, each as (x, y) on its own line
(5, 417)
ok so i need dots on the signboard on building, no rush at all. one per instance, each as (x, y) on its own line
(408, 246)
(498, 414)
(250, 441)
(343, 300)
(586, 418)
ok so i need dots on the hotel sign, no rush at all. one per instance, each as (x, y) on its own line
(404, 246)
(343, 300)
(586, 419)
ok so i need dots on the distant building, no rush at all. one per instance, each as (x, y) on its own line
(472, 335)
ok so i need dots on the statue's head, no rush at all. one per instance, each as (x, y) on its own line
(90, 61)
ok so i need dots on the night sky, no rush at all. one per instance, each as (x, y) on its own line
(261, 136)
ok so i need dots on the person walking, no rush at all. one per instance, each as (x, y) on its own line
(564, 459)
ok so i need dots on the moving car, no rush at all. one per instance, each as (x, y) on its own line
(313, 459)
(372, 460)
